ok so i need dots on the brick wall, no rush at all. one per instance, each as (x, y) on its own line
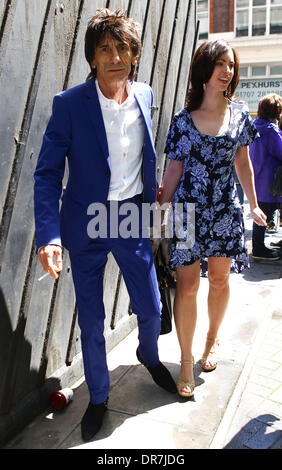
(221, 16)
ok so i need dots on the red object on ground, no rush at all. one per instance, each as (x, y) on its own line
(60, 398)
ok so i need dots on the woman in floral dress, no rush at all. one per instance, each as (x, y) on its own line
(205, 140)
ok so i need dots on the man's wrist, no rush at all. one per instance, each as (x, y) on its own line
(49, 244)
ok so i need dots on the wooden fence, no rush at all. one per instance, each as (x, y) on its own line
(42, 52)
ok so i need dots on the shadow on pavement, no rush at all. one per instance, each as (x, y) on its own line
(256, 434)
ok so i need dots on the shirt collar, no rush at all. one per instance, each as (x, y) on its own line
(109, 102)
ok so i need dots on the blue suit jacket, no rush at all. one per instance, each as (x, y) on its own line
(76, 131)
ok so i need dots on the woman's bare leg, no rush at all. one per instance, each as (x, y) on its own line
(185, 313)
(218, 297)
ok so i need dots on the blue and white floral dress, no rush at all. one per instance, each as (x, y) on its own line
(207, 183)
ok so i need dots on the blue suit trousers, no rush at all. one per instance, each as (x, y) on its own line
(135, 259)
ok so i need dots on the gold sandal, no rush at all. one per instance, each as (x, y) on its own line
(182, 386)
(211, 357)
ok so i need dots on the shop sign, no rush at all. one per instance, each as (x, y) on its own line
(251, 90)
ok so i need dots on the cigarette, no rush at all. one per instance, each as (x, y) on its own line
(42, 277)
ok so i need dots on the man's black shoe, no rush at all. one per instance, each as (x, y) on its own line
(160, 375)
(266, 254)
(92, 420)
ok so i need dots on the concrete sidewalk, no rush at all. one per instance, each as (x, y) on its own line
(237, 406)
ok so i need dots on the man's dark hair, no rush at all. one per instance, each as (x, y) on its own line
(118, 25)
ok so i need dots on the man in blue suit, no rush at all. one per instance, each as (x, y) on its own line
(103, 127)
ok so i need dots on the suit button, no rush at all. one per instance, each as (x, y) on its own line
(107, 174)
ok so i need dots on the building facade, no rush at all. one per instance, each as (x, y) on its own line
(254, 29)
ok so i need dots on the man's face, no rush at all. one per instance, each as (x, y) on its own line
(113, 60)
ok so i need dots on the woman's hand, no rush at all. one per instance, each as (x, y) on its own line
(259, 216)
(159, 193)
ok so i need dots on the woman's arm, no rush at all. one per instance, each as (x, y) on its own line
(171, 179)
(245, 173)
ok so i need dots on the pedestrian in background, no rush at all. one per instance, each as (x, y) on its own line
(205, 140)
(266, 156)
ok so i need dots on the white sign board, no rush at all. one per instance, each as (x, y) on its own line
(251, 90)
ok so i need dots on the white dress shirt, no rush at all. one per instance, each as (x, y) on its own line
(125, 131)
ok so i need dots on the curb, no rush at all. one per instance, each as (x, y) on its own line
(219, 439)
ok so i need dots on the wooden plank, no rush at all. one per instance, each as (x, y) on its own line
(185, 58)
(138, 11)
(2, 9)
(54, 67)
(45, 88)
(7, 13)
(7, 334)
(174, 51)
(21, 229)
(17, 69)
(182, 81)
(15, 266)
(32, 367)
(118, 5)
(150, 42)
(63, 316)
(162, 56)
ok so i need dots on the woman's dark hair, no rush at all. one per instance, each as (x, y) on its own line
(120, 27)
(270, 107)
(202, 67)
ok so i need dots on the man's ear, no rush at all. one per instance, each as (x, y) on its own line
(93, 63)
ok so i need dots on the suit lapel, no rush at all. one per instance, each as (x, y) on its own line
(145, 111)
(95, 112)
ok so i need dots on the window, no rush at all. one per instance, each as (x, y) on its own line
(259, 22)
(203, 17)
(258, 17)
(258, 70)
(276, 70)
(261, 70)
(242, 23)
(276, 20)
(243, 71)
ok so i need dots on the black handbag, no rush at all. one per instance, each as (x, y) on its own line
(166, 282)
(276, 186)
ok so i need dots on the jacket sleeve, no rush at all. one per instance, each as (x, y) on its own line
(49, 174)
(275, 144)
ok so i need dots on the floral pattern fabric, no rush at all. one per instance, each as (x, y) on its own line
(207, 184)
